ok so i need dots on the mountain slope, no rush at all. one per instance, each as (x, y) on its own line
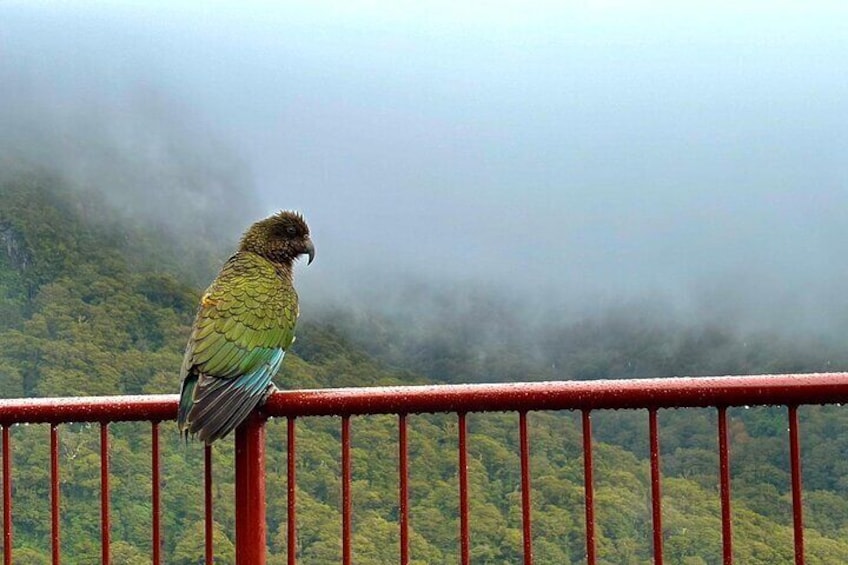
(95, 304)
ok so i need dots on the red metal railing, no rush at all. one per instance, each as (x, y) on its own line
(651, 394)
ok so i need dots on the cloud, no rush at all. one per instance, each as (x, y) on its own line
(575, 157)
(100, 126)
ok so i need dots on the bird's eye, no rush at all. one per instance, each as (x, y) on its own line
(291, 230)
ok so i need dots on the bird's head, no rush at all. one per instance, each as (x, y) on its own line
(280, 238)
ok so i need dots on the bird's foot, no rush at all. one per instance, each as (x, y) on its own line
(269, 390)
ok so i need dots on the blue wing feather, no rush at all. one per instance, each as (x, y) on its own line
(220, 404)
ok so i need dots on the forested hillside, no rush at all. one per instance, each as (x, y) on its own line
(94, 303)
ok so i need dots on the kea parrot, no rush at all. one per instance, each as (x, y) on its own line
(243, 327)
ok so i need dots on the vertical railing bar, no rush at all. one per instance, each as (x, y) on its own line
(105, 524)
(526, 518)
(403, 485)
(464, 536)
(797, 501)
(724, 482)
(589, 488)
(656, 492)
(156, 493)
(346, 494)
(55, 544)
(251, 521)
(291, 514)
(7, 497)
(207, 506)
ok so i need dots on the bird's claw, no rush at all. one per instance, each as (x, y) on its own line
(269, 390)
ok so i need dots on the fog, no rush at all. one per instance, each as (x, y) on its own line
(693, 158)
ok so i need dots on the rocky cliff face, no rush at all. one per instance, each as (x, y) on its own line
(13, 246)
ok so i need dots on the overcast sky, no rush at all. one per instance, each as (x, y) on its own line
(590, 149)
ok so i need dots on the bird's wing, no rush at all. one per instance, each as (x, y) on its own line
(245, 322)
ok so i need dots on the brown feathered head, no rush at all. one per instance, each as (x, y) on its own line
(280, 238)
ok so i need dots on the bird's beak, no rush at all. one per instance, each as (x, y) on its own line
(310, 251)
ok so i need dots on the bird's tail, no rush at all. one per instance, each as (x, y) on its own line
(211, 407)
(221, 405)
(186, 402)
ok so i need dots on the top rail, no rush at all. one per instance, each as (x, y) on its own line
(124, 408)
(671, 392)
